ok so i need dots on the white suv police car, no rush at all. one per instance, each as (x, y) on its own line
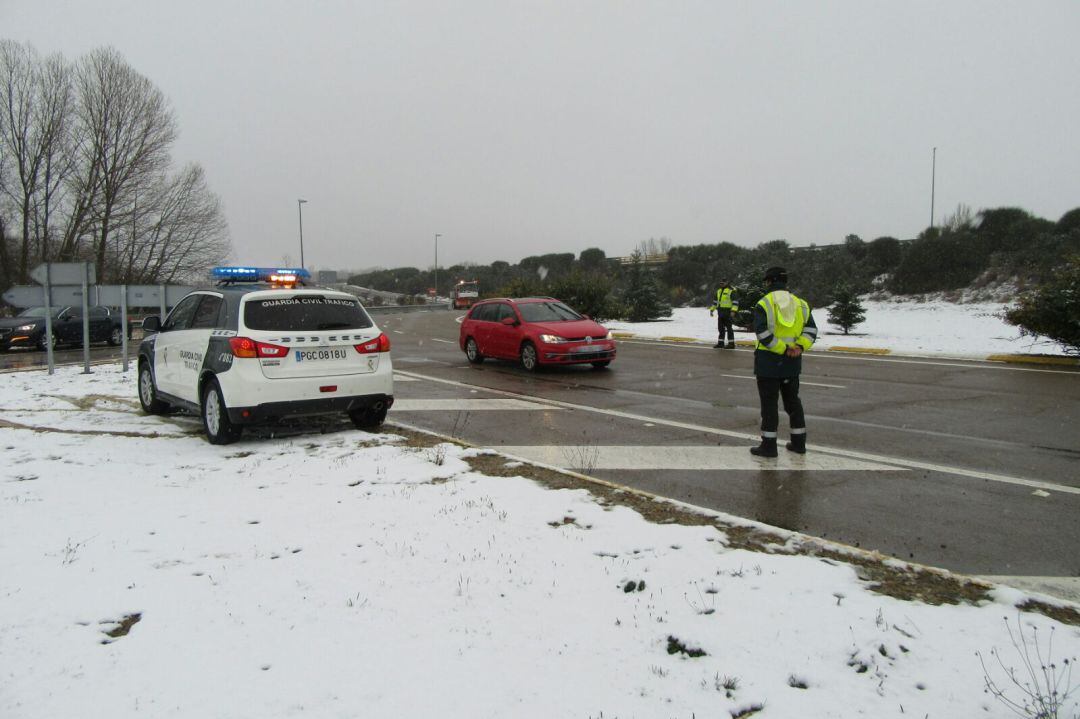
(260, 347)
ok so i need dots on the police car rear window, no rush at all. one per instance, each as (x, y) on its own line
(305, 313)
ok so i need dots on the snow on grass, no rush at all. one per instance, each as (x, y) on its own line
(344, 574)
(931, 327)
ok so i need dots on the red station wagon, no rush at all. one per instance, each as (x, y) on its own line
(535, 330)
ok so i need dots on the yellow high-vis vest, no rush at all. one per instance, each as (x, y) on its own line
(724, 301)
(786, 315)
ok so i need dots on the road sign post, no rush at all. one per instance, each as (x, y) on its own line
(86, 316)
(124, 325)
(48, 323)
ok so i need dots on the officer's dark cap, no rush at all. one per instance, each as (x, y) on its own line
(776, 274)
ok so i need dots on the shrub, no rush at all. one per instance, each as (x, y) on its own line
(589, 294)
(1052, 308)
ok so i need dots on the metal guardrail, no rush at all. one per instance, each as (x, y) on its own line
(391, 309)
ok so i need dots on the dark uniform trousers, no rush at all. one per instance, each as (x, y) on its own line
(770, 389)
(724, 324)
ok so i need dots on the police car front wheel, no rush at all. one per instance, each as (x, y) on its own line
(215, 416)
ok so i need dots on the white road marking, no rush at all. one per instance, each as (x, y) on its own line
(973, 363)
(402, 378)
(398, 332)
(449, 342)
(1067, 588)
(592, 457)
(869, 457)
(801, 382)
(466, 405)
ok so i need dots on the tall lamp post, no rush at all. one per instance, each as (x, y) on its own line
(437, 236)
(933, 179)
(300, 210)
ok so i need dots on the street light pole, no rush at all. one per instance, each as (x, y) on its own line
(437, 236)
(933, 178)
(300, 210)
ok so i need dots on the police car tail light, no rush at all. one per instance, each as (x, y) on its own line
(246, 347)
(379, 344)
(243, 347)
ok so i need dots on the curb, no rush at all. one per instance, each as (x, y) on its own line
(1035, 359)
(876, 351)
(860, 350)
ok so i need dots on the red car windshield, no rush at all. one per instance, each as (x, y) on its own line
(547, 312)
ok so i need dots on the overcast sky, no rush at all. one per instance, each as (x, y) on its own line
(522, 128)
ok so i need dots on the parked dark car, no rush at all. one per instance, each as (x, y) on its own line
(27, 329)
(535, 331)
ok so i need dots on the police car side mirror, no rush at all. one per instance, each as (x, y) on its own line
(151, 324)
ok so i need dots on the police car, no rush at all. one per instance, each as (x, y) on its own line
(258, 347)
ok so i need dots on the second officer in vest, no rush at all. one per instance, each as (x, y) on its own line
(726, 306)
(784, 327)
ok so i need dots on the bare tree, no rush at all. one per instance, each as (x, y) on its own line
(85, 173)
(178, 231)
(35, 96)
(653, 247)
(57, 159)
(126, 129)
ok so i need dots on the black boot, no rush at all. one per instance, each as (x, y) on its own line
(767, 448)
(719, 345)
(797, 443)
(731, 345)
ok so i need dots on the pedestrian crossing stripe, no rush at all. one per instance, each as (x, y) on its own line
(468, 405)
(697, 458)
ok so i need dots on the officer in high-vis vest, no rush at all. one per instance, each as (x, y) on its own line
(725, 308)
(785, 328)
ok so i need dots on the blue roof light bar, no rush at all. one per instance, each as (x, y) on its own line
(256, 274)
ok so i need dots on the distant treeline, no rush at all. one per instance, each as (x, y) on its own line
(969, 249)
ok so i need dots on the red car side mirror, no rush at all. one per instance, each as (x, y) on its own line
(509, 321)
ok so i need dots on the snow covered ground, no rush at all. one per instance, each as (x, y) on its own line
(348, 575)
(913, 327)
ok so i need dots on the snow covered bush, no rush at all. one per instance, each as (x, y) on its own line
(1052, 308)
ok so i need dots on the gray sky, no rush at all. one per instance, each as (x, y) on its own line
(521, 128)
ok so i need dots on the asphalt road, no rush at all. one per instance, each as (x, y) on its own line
(971, 466)
(20, 358)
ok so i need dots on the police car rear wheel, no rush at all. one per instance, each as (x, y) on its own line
(215, 416)
(148, 392)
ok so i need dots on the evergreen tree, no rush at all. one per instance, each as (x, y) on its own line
(644, 301)
(846, 312)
